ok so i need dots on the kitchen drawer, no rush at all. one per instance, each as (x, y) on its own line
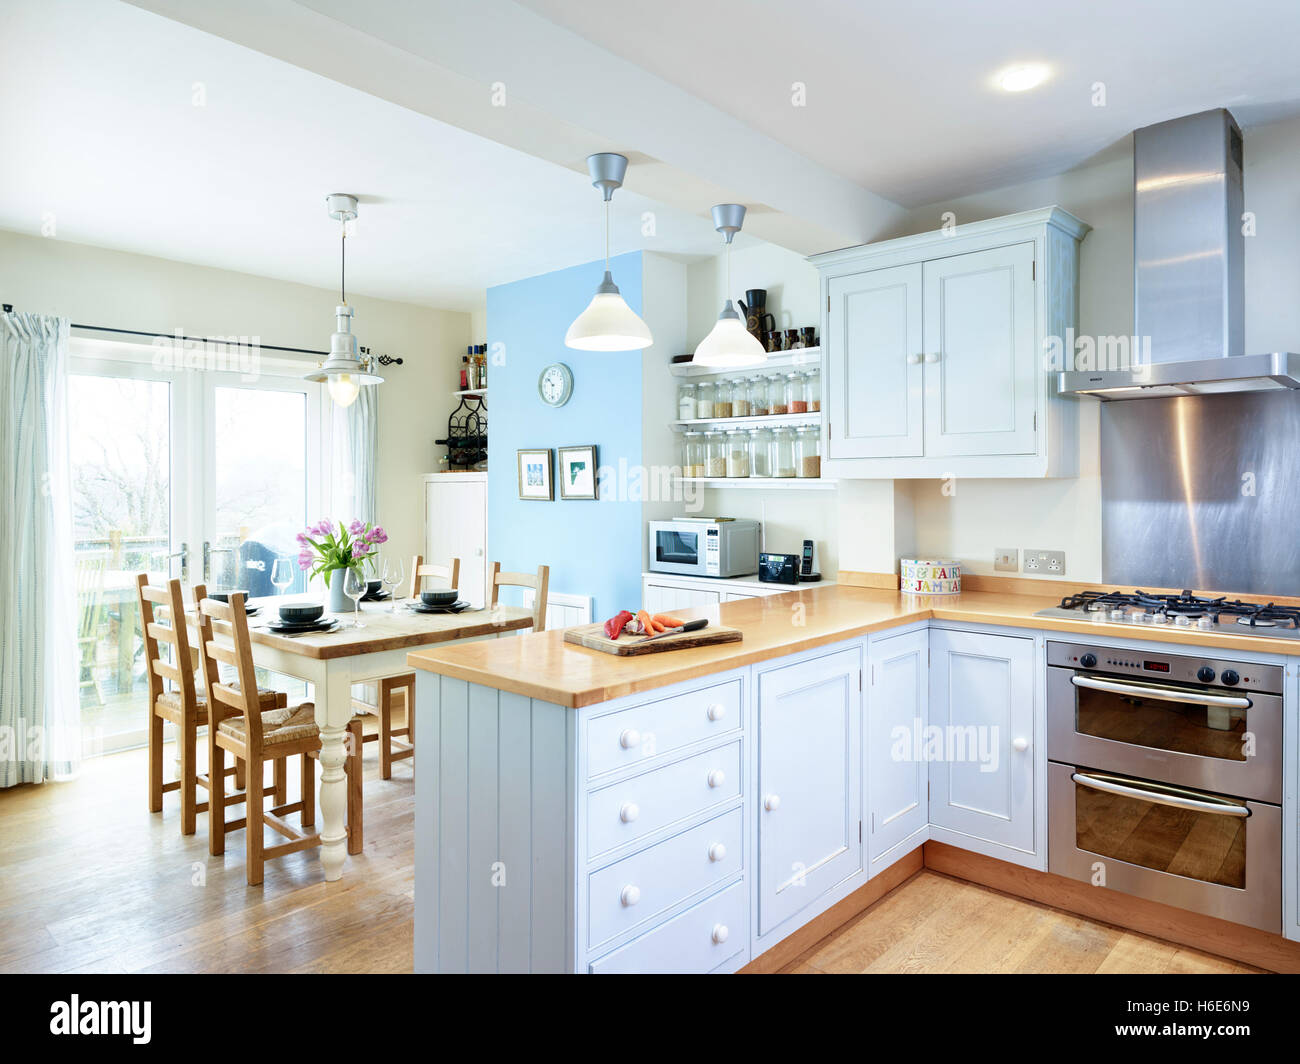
(637, 889)
(631, 735)
(687, 944)
(624, 812)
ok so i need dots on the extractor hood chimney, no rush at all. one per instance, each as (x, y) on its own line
(1188, 289)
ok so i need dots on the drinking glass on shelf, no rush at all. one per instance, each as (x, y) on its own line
(393, 574)
(282, 574)
(354, 586)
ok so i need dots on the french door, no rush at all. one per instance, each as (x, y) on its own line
(202, 474)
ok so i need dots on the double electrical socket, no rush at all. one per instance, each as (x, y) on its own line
(1051, 562)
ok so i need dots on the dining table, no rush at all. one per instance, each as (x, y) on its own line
(333, 662)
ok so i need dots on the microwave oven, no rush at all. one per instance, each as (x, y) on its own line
(704, 547)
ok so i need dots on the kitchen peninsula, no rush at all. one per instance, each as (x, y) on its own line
(712, 808)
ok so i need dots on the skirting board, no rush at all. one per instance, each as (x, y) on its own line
(1234, 941)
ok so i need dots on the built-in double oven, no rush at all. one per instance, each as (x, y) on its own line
(1165, 778)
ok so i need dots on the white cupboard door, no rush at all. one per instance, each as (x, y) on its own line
(664, 598)
(896, 772)
(981, 367)
(456, 527)
(875, 366)
(982, 707)
(809, 782)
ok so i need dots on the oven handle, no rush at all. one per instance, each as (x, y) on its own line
(1101, 783)
(1161, 694)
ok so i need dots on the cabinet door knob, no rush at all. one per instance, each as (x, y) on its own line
(772, 802)
(630, 895)
(1020, 743)
(629, 738)
(932, 356)
(628, 812)
(716, 711)
(717, 852)
(913, 358)
(720, 933)
(717, 778)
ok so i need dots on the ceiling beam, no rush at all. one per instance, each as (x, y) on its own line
(503, 72)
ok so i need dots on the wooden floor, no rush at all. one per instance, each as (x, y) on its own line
(90, 881)
(934, 923)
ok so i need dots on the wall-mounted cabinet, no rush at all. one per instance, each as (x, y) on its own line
(935, 351)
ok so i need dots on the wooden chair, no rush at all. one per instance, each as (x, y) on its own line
(538, 583)
(390, 688)
(184, 706)
(240, 726)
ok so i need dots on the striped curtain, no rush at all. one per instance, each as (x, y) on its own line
(40, 716)
(355, 434)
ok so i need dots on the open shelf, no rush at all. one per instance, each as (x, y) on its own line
(799, 358)
(471, 391)
(813, 417)
(765, 483)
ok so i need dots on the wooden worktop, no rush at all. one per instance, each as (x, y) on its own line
(543, 666)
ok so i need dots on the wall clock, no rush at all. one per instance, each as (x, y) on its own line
(555, 385)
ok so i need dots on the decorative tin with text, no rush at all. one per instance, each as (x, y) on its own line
(919, 576)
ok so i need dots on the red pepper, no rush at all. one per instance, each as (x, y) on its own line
(614, 626)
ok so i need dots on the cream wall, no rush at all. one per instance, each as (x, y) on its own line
(95, 286)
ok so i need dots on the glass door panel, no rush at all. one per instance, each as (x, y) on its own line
(121, 455)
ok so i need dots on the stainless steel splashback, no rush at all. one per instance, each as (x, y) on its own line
(1203, 492)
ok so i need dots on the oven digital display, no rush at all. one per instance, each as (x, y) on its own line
(1156, 666)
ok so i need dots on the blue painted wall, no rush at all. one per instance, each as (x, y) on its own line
(593, 548)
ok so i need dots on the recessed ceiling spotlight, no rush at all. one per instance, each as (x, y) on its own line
(1023, 77)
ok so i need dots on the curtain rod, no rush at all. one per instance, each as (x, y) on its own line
(383, 360)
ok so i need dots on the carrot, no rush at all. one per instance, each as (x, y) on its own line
(647, 623)
(668, 621)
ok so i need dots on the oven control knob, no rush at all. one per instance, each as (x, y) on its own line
(1088, 661)
(1206, 675)
(1230, 677)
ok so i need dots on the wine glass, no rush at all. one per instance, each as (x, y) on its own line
(355, 586)
(282, 574)
(394, 573)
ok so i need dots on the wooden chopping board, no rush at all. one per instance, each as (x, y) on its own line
(593, 637)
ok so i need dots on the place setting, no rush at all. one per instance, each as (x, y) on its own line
(439, 601)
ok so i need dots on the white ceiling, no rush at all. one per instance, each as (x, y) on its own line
(100, 129)
(900, 95)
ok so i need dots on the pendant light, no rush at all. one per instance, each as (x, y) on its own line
(343, 372)
(608, 323)
(729, 344)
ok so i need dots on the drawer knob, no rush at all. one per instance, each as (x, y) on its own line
(914, 358)
(1020, 743)
(717, 778)
(716, 711)
(772, 802)
(932, 356)
(629, 738)
(717, 852)
(720, 933)
(628, 812)
(630, 895)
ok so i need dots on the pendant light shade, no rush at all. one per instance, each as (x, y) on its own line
(608, 323)
(729, 344)
(343, 373)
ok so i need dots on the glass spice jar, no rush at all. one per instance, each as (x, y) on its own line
(715, 454)
(704, 400)
(741, 405)
(781, 460)
(758, 405)
(692, 454)
(737, 453)
(686, 401)
(812, 386)
(722, 399)
(807, 452)
(760, 458)
(794, 394)
(776, 403)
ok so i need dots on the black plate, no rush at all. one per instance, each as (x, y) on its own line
(285, 628)
(378, 596)
(456, 607)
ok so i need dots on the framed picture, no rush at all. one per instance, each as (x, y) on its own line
(535, 475)
(577, 472)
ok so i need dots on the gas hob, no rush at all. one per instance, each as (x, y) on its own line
(1143, 609)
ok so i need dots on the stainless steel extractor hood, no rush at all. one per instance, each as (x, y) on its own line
(1188, 290)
